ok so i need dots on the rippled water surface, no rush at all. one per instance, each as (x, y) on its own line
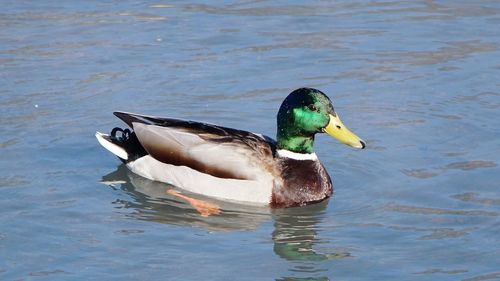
(418, 80)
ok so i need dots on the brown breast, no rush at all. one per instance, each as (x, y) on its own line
(304, 181)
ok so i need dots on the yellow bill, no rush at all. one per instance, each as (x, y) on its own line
(338, 130)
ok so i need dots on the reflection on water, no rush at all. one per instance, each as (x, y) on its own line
(295, 232)
(296, 237)
(150, 201)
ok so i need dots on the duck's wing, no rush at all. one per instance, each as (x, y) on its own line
(218, 151)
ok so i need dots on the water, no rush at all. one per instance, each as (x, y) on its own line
(419, 81)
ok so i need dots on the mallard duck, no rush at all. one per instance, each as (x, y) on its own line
(232, 164)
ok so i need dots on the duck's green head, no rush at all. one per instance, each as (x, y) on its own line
(304, 113)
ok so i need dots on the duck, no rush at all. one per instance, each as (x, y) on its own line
(232, 164)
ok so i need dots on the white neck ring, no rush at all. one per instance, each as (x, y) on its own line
(296, 156)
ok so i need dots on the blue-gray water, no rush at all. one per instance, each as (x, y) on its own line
(418, 80)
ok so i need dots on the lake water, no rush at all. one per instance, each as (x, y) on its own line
(418, 80)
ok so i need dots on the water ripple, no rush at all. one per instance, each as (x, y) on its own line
(474, 198)
(489, 276)
(463, 165)
(435, 211)
(444, 271)
(452, 51)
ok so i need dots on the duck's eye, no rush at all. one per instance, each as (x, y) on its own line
(312, 107)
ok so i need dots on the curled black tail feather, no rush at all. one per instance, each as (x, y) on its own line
(125, 134)
(129, 141)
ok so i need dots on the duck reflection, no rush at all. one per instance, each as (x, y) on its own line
(152, 201)
(295, 238)
(295, 234)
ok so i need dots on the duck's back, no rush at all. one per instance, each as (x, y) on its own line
(203, 158)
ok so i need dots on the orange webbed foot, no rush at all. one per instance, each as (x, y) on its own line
(203, 207)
